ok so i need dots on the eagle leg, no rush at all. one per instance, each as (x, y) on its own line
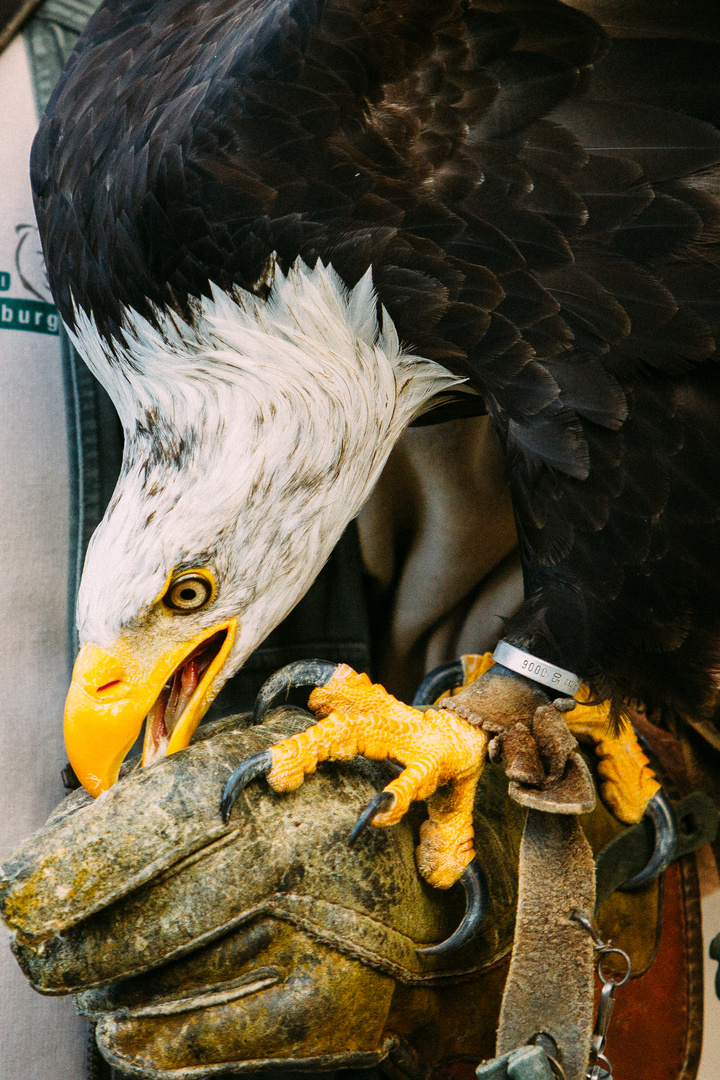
(530, 736)
(628, 785)
(474, 882)
(627, 781)
(448, 828)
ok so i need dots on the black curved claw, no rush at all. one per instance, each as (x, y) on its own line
(375, 806)
(477, 902)
(301, 673)
(662, 815)
(439, 681)
(249, 769)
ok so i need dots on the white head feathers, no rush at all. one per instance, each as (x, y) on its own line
(253, 436)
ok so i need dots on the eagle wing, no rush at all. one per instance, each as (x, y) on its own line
(538, 199)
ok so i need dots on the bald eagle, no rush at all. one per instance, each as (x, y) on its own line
(280, 231)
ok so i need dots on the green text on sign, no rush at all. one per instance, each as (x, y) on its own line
(4, 281)
(34, 315)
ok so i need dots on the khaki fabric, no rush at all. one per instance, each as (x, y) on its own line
(439, 547)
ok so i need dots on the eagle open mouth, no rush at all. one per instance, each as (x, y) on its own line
(185, 684)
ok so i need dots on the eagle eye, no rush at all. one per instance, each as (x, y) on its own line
(189, 591)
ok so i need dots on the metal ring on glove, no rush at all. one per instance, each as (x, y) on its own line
(608, 950)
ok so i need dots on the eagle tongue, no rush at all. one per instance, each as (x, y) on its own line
(168, 709)
(186, 678)
(174, 698)
(184, 684)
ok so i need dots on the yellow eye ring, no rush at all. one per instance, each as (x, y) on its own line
(189, 591)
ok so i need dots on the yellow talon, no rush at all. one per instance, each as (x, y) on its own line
(436, 747)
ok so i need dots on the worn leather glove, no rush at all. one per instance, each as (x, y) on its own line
(201, 949)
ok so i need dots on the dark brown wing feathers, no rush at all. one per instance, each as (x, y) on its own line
(539, 199)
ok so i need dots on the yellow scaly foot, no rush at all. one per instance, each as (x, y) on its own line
(356, 716)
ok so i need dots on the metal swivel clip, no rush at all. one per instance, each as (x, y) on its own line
(599, 1067)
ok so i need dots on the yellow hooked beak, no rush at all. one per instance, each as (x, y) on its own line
(112, 693)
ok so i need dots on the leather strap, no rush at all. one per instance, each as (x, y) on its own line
(551, 979)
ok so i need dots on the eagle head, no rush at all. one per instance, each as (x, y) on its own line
(254, 431)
